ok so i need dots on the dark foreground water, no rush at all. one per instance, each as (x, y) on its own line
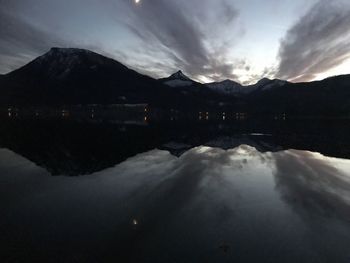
(174, 192)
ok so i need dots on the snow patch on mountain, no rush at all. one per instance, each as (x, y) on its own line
(229, 87)
(274, 84)
(225, 87)
(180, 75)
(178, 79)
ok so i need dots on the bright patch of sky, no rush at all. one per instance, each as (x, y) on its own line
(209, 40)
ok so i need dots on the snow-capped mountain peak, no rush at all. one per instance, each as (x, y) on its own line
(178, 79)
(225, 87)
(229, 87)
(270, 84)
(179, 75)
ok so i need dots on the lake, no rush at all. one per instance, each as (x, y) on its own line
(172, 191)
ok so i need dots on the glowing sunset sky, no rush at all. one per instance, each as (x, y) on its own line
(299, 40)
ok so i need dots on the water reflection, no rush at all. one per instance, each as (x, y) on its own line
(314, 184)
(66, 147)
(207, 205)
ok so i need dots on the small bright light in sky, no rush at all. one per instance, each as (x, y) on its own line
(137, 1)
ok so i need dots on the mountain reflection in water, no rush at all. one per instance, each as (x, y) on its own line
(173, 194)
(67, 147)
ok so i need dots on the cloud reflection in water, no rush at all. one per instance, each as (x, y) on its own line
(314, 184)
(186, 207)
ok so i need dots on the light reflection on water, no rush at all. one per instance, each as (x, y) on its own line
(207, 205)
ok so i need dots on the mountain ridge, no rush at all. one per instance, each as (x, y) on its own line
(178, 79)
(225, 87)
(70, 76)
(80, 77)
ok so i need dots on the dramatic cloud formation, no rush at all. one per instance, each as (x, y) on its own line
(209, 40)
(321, 187)
(319, 41)
(21, 40)
(185, 32)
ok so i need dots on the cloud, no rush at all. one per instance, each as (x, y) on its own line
(317, 188)
(189, 34)
(20, 41)
(318, 42)
(195, 36)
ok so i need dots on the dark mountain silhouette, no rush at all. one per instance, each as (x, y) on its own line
(68, 76)
(189, 88)
(65, 147)
(329, 97)
(76, 76)
(179, 80)
(227, 87)
(230, 87)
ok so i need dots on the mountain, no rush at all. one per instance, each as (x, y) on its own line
(77, 76)
(182, 84)
(178, 79)
(102, 145)
(229, 87)
(70, 76)
(267, 84)
(329, 97)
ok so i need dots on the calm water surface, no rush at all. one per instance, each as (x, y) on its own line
(97, 192)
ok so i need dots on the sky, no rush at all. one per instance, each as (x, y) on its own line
(209, 40)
